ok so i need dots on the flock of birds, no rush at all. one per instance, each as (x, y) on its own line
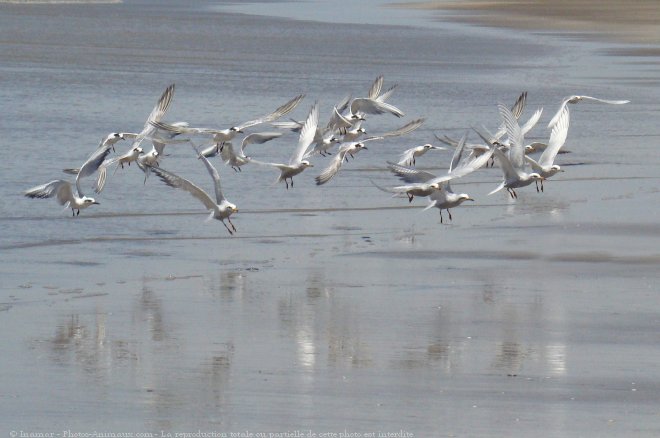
(345, 132)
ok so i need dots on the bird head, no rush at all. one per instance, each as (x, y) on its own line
(89, 201)
(306, 163)
(465, 197)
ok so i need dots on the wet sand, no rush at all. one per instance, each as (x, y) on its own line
(337, 308)
(633, 21)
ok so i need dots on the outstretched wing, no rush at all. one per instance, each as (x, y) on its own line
(178, 182)
(372, 106)
(307, 134)
(214, 174)
(279, 112)
(409, 174)
(59, 188)
(258, 138)
(92, 163)
(557, 139)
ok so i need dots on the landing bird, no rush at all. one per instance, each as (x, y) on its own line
(409, 156)
(237, 159)
(219, 208)
(513, 165)
(297, 164)
(443, 198)
(545, 166)
(62, 189)
(575, 99)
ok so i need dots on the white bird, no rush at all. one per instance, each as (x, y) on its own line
(442, 198)
(297, 163)
(345, 149)
(513, 164)
(408, 157)
(64, 193)
(238, 159)
(545, 165)
(575, 99)
(221, 136)
(425, 184)
(220, 208)
(62, 189)
(352, 148)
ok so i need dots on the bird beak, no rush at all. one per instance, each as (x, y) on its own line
(97, 203)
(365, 148)
(236, 209)
(470, 199)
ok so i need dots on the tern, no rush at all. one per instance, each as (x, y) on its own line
(442, 198)
(575, 99)
(407, 157)
(545, 165)
(63, 190)
(513, 165)
(220, 208)
(297, 163)
(425, 183)
(237, 159)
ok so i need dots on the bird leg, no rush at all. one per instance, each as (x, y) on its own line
(440, 216)
(537, 185)
(291, 182)
(541, 185)
(223, 223)
(287, 183)
(73, 212)
(78, 213)
(449, 213)
(230, 223)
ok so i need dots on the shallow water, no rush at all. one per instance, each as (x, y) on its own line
(333, 308)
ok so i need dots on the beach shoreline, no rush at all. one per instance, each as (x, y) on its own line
(633, 22)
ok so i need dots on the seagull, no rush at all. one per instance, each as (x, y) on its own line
(221, 136)
(297, 163)
(407, 157)
(219, 208)
(545, 166)
(575, 99)
(513, 165)
(62, 189)
(236, 160)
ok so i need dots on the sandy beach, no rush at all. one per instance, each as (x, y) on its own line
(333, 309)
(629, 21)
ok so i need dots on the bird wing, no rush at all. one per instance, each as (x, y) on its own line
(557, 139)
(505, 164)
(331, 170)
(338, 121)
(59, 188)
(258, 138)
(458, 153)
(372, 106)
(227, 153)
(374, 91)
(407, 156)
(405, 129)
(409, 174)
(178, 182)
(531, 122)
(307, 134)
(92, 163)
(156, 114)
(279, 112)
(219, 197)
(611, 102)
(516, 148)
(387, 93)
